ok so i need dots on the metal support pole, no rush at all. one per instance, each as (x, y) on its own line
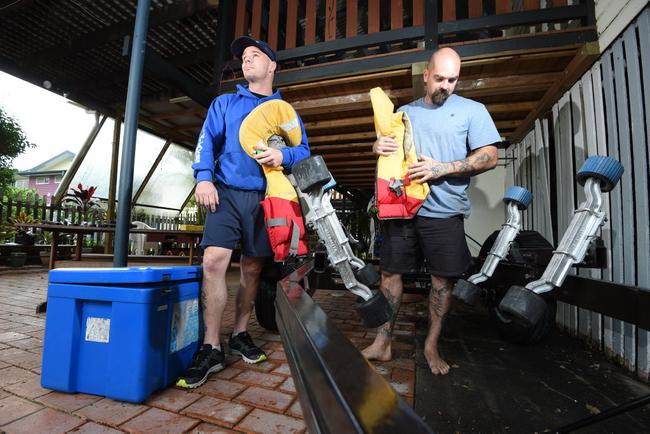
(130, 131)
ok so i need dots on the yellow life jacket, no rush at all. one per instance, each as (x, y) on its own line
(282, 214)
(397, 197)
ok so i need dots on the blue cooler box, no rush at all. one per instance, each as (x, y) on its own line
(122, 333)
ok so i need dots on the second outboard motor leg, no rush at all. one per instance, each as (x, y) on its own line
(517, 199)
(598, 174)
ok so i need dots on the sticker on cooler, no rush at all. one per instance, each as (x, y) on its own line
(98, 329)
(185, 324)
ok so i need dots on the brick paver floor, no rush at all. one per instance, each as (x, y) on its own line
(241, 398)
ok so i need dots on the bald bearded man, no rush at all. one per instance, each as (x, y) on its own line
(455, 138)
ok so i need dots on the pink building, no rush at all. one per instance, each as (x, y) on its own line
(46, 177)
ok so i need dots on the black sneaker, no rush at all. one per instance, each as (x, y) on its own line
(206, 361)
(242, 345)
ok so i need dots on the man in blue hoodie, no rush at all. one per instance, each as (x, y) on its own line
(231, 190)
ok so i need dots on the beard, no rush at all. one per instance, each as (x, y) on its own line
(440, 96)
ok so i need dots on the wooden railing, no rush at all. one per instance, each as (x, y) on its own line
(288, 24)
(310, 32)
(36, 207)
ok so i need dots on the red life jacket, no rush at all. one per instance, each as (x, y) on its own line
(397, 197)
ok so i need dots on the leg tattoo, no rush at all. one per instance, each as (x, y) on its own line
(439, 301)
(387, 328)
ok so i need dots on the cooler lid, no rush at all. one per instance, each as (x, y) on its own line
(124, 275)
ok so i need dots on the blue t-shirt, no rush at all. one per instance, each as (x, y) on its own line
(448, 133)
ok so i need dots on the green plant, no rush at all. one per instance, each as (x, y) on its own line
(7, 232)
(82, 199)
(89, 242)
(46, 237)
(14, 142)
(22, 218)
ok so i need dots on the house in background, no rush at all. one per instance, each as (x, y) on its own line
(45, 177)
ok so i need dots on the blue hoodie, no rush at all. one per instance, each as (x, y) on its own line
(219, 140)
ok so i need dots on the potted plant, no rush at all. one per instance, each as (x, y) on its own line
(22, 235)
(17, 259)
(82, 199)
(45, 257)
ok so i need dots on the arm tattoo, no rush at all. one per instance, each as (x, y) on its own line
(437, 171)
(472, 165)
(438, 301)
(386, 329)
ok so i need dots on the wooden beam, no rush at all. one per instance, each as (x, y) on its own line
(192, 127)
(507, 125)
(449, 10)
(418, 13)
(340, 147)
(348, 176)
(240, 19)
(507, 84)
(292, 23)
(499, 58)
(330, 20)
(580, 63)
(256, 21)
(351, 14)
(344, 102)
(348, 155)
(333, 83)
(310, 26)
(396, 14)
(475, 8)
(274, 23)
(351, 165)
(373, 16)
(508, 107)
(502, 6)
(370, 170)
(336, 123)
(531, 5)
(332, 138)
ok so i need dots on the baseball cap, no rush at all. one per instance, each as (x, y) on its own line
(240, 44)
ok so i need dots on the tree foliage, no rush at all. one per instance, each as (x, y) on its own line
(13, 142)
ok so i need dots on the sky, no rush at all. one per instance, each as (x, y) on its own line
(47, 119)
(53, 123)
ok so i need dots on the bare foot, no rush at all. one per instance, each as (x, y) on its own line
(436, 364)
(378, 351)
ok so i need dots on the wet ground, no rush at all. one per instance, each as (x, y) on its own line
(499, 387)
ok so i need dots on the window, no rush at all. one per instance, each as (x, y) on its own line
(58, 179)
(22, 183)
(42, 180)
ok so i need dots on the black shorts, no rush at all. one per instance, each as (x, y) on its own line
(441, 241)
(239, 217)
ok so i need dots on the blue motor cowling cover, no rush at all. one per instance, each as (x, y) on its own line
(519, 196)
(605, 169)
